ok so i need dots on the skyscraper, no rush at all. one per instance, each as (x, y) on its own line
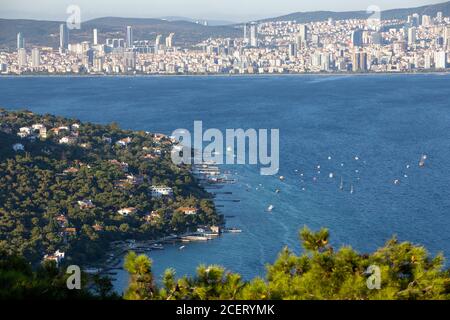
(292, 50)
(22, 57)
(246, 33)
(440, 59)
(95, 36)
(20, 41)
(35, 57)
(426, 20)
(411, 36)
(447, 36)
(357, 38)
(129, 37)
(360, 62)
(302, 36)
(253, 34)
(157, 43)
(169, 40)
(63, 37)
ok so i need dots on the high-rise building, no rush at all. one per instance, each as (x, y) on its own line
(412, 36)
(415, 20)
(303, 35)
(246, 33)
(20, 41)
(63, 37)
(447, 36)
(357, 38)
(426, 20)
(292, 50)
(359, 62)
(157, 43)
(427, 61)
(440, 60)
(95, 32)
(35, 58)
(129, 37)
(439, 17)
(22, 57)
(254, 34)
(130, 60)
(169, 40)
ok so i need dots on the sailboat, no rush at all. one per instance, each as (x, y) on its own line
(422, 161)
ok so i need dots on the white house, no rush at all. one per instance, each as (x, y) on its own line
(67, 140)
(86, 204)
(161, 191)
(188, 211)
(126, 211)
(58, 256)
(18, 147)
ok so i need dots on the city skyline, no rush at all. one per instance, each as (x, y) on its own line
(197, 9)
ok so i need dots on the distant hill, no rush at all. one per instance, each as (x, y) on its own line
(210, 22)
(187, 33)
(46, 33)
(305, 17)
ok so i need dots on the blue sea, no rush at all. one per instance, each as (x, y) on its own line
(369, 130)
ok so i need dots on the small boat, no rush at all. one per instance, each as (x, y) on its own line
(270, 208)
(282, 178)
(277, 191)
(352, 190)
(182, 248)
(341, 186)
(423, 158)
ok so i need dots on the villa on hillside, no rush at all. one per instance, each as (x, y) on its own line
(189, 211)
(161, 191)
(127, 211)
(58, 256)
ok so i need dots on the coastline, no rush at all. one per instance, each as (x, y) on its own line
(206, 75)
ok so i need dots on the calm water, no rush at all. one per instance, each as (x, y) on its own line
(386, 121)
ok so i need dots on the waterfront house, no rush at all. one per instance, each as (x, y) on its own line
(161, 191)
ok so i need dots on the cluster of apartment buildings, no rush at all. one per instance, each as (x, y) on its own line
(420, 42)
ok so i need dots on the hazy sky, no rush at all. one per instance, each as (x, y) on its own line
(234, 10)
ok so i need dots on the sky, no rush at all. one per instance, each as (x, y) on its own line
(229, 10)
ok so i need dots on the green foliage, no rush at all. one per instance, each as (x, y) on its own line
(19, 281)
(35, 189)
(407, 272)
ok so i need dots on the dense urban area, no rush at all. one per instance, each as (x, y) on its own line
(420, 43)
